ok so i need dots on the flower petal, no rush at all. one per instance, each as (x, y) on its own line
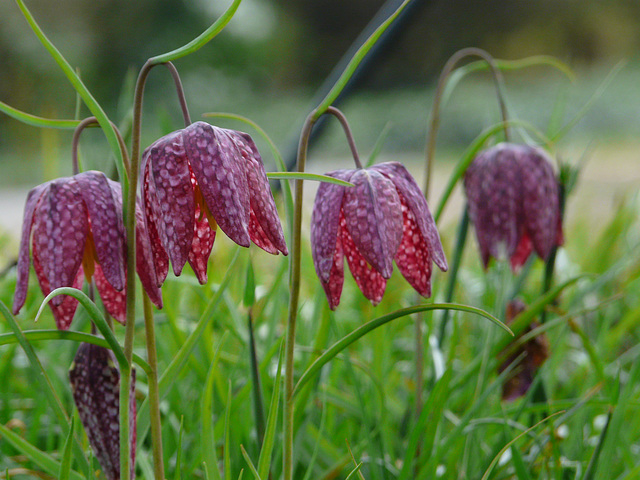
(105, 214)
(203, 239)
(333, 285)
(263, 206)
(493, 187)
(415, 201)
(22, 282)
(414, 255)
(144, 260)
(61, 222)
(325, 223)
(114, 301)
(541, 199)
(221, 174)
(369, 280)
(63, 312)
(374, 218)
(171, 179)
(95, 383)
(160, 257)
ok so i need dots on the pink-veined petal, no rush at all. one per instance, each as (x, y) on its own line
(105, 215)
(415, 201)
(333, 285)
(493, 188)
(221, 174)
(160, 257)
(414, 256)
(203, 239)
(113, 300)
(64, 311)
(267, 227)
(374, 218)
(174, 198)
(541, 199)
(371, 282)
(144, 260)
(325, 223)
(61, 223)
(22, 282)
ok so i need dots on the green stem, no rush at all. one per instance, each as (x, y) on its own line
(87, 122)
(154, 395)
(294, 296)
(347, 131)
(434, 119)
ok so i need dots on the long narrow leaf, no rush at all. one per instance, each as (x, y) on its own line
(36, 121)
(40, 458)
(307, 176)
(65, 465)
(201, 40)
(250, 463)
(264, 460)
(373, 324)
(227, 436)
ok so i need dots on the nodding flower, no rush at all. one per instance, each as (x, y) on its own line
(514, 203)
(382, 218)
(199, 178)
(75, 228)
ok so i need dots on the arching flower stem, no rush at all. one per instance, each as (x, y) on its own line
(90, 122)
(347, 131)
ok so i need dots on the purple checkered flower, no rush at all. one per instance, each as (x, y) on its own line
(196, 179)
(382, 218)
(514, 203)
(75, 228)
(95, 384)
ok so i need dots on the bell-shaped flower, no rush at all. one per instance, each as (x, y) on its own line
(75, 229)
(95, 384)
(514, 203)
(199, 178)
(382, 218)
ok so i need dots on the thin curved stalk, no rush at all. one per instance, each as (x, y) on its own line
(88, 122)
(180, 91)
(347, 131)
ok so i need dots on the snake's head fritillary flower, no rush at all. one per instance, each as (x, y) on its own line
(75, 229)
(199, 178)
(536, 351)
(382, 218)
(95, 384)
(514, 203)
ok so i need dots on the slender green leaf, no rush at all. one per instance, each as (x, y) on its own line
(256, 475)
(308, 176)
(91, 103)
(377, 147)
(353, 64)
(250, 286)
(201, 40)
(179, 451)
(495, 461)
(227, 436)
(373, 324)
(65, 465)
(180, 359)
(40, 458)
(45, 383)
(36, 121)
(96, 316)
(590, 473)
(355, 471)
(264, 460)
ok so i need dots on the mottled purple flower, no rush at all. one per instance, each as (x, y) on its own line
(196, 179)
(95, 384)
(75, 228)
(514, 203)
(382, 218)
(536, 352)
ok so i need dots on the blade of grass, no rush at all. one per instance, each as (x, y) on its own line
(307, 176)
(264, 460)
(373, 324)
(496, 459)
(355, 471)
(178, 471)
(227, 435)
(65, 464)
(208, 445)
(45, 383)
(180, 359)
(40, 458)
(590, 473)
(256, 475)
(377, 147)
(201, 40)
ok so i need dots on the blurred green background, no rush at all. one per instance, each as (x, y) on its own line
(274, 54)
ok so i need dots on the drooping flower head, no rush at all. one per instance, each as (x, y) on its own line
(514, 203)
(75, 229)
(197, 179)
(382, 218)
(95, 384)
